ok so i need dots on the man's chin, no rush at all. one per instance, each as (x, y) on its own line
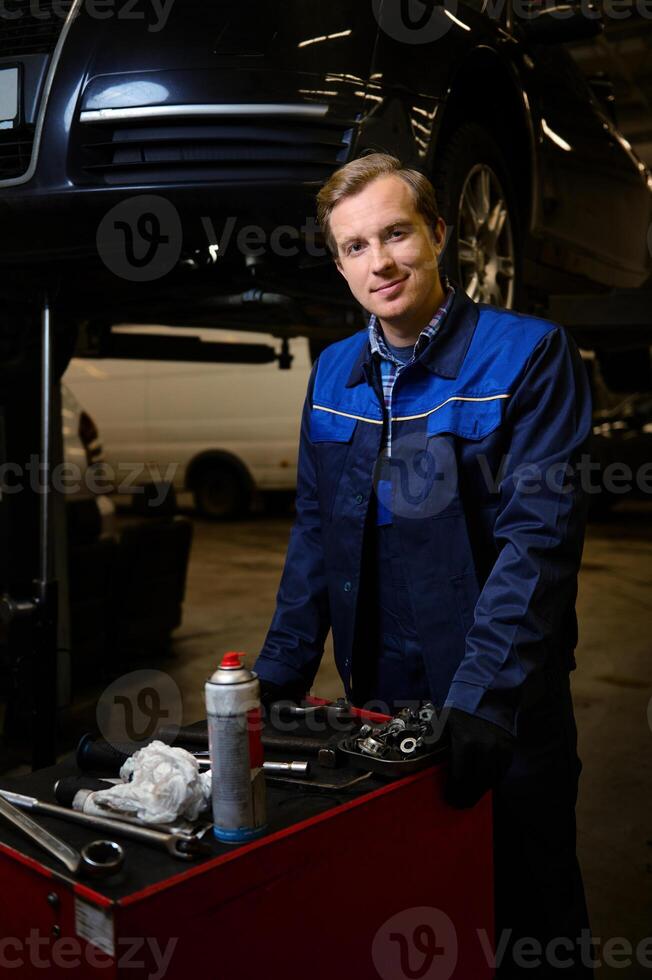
(389, 309)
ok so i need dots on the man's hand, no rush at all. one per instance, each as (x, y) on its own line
(270, 693)
(480, 755)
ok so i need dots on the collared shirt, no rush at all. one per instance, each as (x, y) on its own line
(391, 366)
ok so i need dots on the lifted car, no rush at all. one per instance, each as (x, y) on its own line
(160, 164)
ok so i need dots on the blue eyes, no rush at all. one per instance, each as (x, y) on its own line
(352, 247)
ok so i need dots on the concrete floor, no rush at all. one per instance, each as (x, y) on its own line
(232, 583)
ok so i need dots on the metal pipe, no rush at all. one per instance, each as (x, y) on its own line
(45, 655)
(46, 448)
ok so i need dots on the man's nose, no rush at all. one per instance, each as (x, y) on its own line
(381, 259)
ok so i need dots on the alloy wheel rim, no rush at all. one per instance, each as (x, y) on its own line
(485, 240)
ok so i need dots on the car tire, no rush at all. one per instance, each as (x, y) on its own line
(221, 492)
(483, 246)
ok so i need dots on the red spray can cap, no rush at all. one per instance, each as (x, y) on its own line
(232, 659)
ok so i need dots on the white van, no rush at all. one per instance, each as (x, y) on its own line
(218, 429)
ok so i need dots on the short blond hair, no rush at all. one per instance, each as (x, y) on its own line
(352, 177)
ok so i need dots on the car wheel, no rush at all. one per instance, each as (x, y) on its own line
(220, 492)
(477, 200)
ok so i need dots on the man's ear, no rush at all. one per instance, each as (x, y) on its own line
(339, 266)
(439, 235)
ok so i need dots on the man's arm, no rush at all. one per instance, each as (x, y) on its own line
(294, 645)
(539, 532)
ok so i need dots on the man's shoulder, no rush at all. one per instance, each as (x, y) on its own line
(512, 336)
(349, 347)
(522, 328)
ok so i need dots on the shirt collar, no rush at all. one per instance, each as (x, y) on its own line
(445, 351)
(379, 345)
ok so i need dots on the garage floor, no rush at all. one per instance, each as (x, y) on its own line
(233, 577)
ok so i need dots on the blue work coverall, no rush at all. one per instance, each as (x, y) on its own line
(489, 430)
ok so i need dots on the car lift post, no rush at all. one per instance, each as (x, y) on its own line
(41, 608)
(45, 645)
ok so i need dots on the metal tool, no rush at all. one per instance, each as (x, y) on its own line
(296, 767)
(340, 709)
(183, 846)
(409, 732)
(78, 793)
(100, 857)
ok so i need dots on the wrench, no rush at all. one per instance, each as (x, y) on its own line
(178, 845)
(100, 857)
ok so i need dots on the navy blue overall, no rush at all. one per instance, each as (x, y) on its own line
(388, 668)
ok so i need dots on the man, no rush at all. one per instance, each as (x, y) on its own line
(439, 532)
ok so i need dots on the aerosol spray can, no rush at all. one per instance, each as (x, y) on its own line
(236, 753)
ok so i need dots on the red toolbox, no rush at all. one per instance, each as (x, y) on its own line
(381, 880)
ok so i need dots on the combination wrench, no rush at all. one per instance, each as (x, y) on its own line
(185, 846)
(100, 857)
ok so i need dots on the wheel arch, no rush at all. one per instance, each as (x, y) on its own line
(217, 457)
(485, 89)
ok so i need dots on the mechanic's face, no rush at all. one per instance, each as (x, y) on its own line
(388, 255)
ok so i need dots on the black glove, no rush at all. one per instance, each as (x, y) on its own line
(480, 755)
(270, 693)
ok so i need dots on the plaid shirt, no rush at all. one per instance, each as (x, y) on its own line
(391, 367)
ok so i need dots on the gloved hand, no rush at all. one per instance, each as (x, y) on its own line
(270, 693)
(480, 755)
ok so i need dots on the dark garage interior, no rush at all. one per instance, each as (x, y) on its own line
(192, 343)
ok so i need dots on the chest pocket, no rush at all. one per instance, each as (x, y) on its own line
(328, 427)
(468, 417)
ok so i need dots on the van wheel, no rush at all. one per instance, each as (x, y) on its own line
(221, 492)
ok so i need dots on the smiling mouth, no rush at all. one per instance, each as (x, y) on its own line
(388, 285)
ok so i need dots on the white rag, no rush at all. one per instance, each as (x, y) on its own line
(160, 784)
